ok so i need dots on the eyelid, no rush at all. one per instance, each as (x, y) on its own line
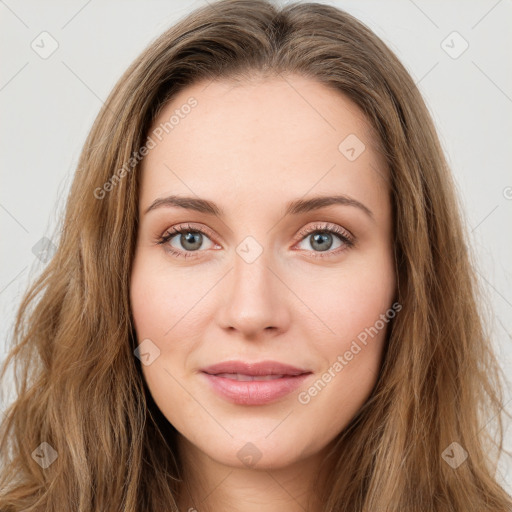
(191, 226)
(328, 227)
(196, 227)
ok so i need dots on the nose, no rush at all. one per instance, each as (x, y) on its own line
(255, 301)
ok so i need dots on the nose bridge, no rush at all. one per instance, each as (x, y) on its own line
(254, 300)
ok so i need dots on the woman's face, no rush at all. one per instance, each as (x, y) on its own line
(268, 272)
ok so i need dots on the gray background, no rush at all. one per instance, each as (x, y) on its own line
(48, 105)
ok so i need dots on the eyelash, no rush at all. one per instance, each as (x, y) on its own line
(346, 238)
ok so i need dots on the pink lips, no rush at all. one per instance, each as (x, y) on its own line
(254, 383)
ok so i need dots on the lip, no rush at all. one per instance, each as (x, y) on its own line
(256, 392)
(255, 369)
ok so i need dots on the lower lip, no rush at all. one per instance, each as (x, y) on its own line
(255, 392)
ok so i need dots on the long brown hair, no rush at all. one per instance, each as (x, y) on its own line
(79, 387)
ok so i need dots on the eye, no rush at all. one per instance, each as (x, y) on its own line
(190, 239)
(320, 238)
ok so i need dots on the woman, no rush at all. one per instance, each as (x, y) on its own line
(262, 297)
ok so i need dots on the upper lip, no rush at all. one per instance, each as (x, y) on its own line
(254, 368)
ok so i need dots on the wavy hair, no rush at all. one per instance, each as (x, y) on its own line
(78, 385)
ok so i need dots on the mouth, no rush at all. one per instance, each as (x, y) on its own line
(252, 386)
(246, 378)
(255, 369)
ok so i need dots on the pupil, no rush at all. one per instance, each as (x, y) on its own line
(191, 238)
(320, 238)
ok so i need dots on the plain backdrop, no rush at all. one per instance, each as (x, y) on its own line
(459, 54)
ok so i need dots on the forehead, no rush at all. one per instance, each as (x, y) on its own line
(291, 134)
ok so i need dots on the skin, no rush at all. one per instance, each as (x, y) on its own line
(251, 148)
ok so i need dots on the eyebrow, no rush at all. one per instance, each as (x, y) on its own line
(292, 208)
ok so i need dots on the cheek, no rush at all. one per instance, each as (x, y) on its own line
(161, 300)
(158, 303)
(348, 300)
(358, 317)
(355, 308)
(151, 300)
